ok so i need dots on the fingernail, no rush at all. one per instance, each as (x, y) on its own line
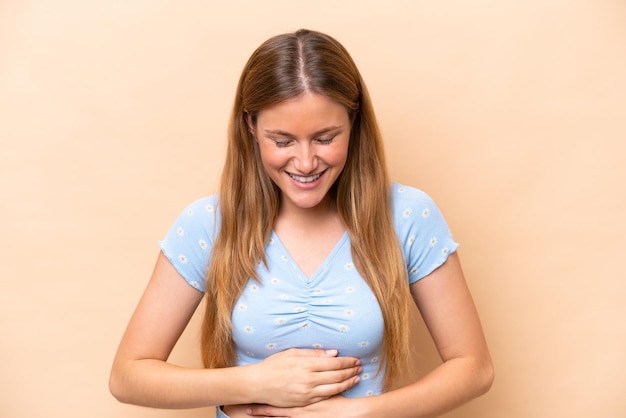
(331, 352)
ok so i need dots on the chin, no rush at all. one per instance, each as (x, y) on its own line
(306, 203)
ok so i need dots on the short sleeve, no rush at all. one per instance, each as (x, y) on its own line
(422, 231)
(189, 241)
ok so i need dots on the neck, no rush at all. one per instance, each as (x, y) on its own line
(310, 218)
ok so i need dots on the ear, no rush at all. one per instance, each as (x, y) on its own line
(250, 123)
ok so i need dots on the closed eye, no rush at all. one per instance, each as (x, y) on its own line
(326, 141)
(281, 142)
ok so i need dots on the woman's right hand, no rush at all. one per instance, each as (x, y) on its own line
(299, 377)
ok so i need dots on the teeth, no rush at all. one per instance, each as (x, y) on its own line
(305, 179)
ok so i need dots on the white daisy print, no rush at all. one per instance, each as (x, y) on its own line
(182, 258)
(411, 240)
(202, 243)
(433, 241)
(374, 360)
(444, 251)
(364, 343)
(349, 312)
(425, 212)
(196, 285)
(254, 288)
(343, 328)
(280, 321)
(275, 280)
(401, 190)
(317, 345)
(349, 266)
(283, 297)
(180, 231)
(271, 346)
(210, 208)
(406, 213)
(242, 307)
(189, 212)
(350, 289)
(248, 329)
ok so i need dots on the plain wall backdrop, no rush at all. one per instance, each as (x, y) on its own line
(510, 114)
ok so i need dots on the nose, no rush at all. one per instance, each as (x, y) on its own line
(305, 158)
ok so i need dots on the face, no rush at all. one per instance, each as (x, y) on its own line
(303, 144)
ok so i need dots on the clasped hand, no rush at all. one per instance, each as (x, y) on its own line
(299, 377)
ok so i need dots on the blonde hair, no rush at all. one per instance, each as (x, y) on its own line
(284, 67)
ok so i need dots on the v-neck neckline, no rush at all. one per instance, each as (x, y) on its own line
(320, 269)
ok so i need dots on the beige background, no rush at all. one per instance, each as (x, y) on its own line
(510, 114)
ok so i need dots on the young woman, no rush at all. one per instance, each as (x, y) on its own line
(309, 259)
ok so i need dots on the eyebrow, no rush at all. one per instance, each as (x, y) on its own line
(291, 136)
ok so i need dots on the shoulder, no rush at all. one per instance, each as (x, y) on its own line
(422, 230)
(187, 244)
(197, 223)
(407, 199)
(201, 212)
(206, 205)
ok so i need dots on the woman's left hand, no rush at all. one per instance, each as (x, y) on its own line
(337, 406)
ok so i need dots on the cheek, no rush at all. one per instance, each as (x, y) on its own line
(337, 156)
(270, 159)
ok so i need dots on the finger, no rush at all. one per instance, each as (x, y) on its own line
(312, 352)
(322, 354)
(319, 360)
(334, 363)
(266, 411)
(337, 376)
(328, 390)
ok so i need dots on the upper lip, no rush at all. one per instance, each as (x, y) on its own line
(306, 175)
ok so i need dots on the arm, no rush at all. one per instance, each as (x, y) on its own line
(446, 305)
(466, 372)
(141, 375)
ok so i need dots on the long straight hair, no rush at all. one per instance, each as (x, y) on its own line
(282, 68)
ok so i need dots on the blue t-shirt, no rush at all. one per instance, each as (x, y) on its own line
(332, 309)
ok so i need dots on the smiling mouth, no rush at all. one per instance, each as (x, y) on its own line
(307, 179)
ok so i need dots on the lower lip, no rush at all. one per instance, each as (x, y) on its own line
(309, 185)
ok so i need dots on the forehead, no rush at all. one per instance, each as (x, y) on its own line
(306, 112)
